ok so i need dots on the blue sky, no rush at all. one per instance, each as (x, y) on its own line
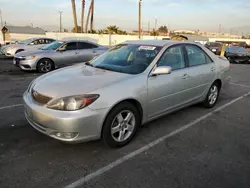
(177, 14)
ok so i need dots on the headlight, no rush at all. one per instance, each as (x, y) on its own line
(29, 57)
(73, 103)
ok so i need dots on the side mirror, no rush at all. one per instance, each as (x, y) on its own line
(161, 70)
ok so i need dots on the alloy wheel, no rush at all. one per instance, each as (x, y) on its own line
(123, 126)
(213, 95)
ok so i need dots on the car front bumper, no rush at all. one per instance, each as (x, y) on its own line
(82, 125)
(25, 64)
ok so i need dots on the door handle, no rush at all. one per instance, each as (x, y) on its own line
(185, 76)
(213, 69)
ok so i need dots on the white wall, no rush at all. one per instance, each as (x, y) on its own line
(100, 39)
(229, 39)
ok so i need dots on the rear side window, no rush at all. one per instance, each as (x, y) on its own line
(195, 55)
(85, 45)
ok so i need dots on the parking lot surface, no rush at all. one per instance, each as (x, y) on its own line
(199, 149)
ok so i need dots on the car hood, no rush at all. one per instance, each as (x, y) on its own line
(33, 52)
(75, 80)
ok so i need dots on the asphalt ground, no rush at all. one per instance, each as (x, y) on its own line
(213, 151)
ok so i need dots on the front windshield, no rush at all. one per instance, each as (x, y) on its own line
(129, 59)
(52, 46)
(27, 41)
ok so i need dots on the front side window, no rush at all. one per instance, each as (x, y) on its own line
(129, 58)
(196, 56)
(173, 57)
(70, 46)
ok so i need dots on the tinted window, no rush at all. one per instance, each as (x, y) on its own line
(173, 57)
(196, 56)
(85, 45)
(70, 46)
(48, 41)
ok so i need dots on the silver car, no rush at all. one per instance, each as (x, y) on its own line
(28, 44)
(58, 53)
(131, 84)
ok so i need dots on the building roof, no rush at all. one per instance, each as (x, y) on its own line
(155, 42)
(25, 30)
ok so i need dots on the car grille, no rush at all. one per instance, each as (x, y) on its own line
(41, 99)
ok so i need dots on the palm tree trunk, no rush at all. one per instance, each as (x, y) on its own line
(74, 14)
(87, 21)
(82, 18)
(92, 17)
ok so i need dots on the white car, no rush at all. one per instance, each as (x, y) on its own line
(29, 44)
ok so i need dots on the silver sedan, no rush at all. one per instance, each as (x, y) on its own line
(131, 84)
(58, 53)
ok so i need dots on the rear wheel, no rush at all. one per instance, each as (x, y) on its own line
(212, 96)
(121, 125)
(45, 65)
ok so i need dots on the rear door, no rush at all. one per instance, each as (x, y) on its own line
(87, 51)
(200, 72)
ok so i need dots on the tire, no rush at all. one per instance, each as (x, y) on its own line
(45, 65)
(212, 96)
(117, 131)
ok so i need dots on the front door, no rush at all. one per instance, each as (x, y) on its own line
(69, 55)
(166, 92)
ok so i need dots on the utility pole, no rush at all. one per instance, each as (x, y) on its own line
(1, 18)
(60, 12)
(148, 28)
(139, 23)
(155, 27)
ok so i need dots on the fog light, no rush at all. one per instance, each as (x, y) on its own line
(66, 135)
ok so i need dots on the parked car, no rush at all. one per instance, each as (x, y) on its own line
(29, 44)
(131, 84)
(237, 54)
(58, 53)
(215, 47)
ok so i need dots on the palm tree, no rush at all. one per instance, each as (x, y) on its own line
(92, 16)
(90, 11)
(112, 29)
(74, 13)
(82, 18)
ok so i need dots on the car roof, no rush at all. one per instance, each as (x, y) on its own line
(157, 42)
(76, 40)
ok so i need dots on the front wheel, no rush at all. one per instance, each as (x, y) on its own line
(121, 125)
(45, 65)
(212, 96)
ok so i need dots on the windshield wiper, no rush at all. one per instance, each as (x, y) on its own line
(104, 68)
(89, 64)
